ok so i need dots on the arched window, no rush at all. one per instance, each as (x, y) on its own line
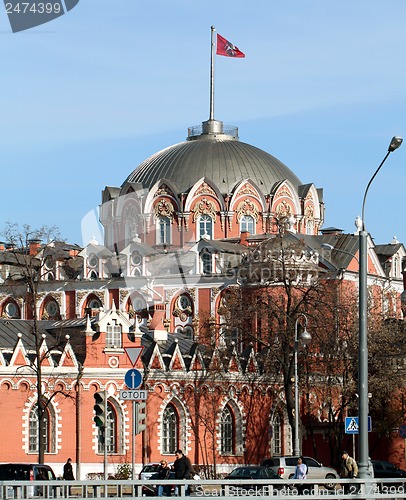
(205, 227)
(164, 231)
(47, 435)
(227, 432)
(110, 432)
(309, 226)
(170, 430)
(247, 223)
(276, 435)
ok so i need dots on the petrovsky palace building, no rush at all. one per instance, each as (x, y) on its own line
(178, 232)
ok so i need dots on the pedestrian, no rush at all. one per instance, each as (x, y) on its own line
(183, 469)
(163, 473)
(349, 470)
(68, 470)
(300, 473)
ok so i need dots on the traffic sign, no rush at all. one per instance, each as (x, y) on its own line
(133, 379)
(402, 431)
(133, 395)
(133, 353)
(352, 425)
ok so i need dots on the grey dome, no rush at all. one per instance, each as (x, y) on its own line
(219, 157)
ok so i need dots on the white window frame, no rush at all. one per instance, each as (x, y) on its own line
(247, 223)
(163, 231)
(170, 429)
(114, 337)
(202, 226)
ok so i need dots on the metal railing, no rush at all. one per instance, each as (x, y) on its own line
(278, 489)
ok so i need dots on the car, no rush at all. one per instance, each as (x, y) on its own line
(26, 472)
(150, 490)
(285, 467)
(251, 472)
(385, 470)
(149, 469)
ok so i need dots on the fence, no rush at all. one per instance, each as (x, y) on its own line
(277, 489)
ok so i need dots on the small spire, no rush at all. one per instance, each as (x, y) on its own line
(89, 329)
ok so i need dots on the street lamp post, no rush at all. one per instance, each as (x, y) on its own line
(363, 452)
(305, 338)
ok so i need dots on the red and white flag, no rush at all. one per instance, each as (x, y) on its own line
(226, 48)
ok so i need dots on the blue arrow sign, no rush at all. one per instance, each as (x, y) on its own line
(133, 379)
(352, 425)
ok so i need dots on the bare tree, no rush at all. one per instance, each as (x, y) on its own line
(26, 258)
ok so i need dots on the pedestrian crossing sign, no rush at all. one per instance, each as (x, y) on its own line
(352, 425)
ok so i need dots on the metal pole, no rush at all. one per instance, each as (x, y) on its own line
(363, 453)
(212, 56)
(105, 464)
(133, 443)
(296, 450)
(363, 448)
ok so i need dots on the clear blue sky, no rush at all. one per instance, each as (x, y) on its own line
(85, 98)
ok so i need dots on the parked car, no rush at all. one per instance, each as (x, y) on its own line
(386, 470)
(149, 469)
(26, 472)
(285, 468)
(252, 472)
(150, 489)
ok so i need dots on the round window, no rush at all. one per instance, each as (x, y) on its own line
(136, 258)
(139, 304)
(93, 260)
(183, 302)
(49, 263)
(52, 308)
(11, 310)
(94, 304)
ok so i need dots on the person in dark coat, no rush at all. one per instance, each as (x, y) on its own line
(182, 468)
(68, 470)
(163, 473)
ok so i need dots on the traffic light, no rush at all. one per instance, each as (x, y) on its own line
(140, 417)
(100, 409)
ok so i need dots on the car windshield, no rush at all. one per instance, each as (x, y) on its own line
(151, 468)
(239, 472)
(260, 473)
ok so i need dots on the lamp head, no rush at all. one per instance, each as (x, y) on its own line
(305, 337)
(395, 143)
(327, 246)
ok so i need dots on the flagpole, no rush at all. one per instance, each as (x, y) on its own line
(213, 44)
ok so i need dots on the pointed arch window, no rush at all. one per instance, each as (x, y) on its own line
(247, 223)
(170, 430)
(205, 227)
(309, 226)
(227, 432)
(48, 431)
(276, 435)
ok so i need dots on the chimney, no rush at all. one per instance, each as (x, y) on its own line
(34, 246)
(244, 235)
(157, 325)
